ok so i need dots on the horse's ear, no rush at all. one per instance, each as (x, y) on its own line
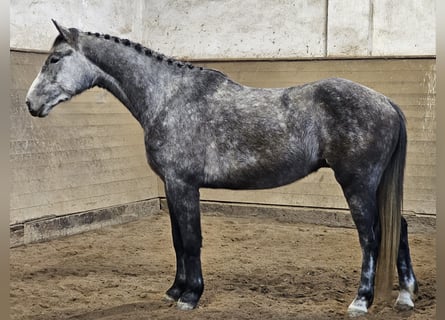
(70, 35)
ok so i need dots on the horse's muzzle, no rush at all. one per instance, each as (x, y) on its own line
(34, 113)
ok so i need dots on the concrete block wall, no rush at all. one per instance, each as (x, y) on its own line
(232, 29)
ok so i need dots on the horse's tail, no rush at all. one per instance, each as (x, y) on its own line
(390, 198)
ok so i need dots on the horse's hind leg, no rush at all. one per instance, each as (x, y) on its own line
(362, 201)
(407, 279)
(183, 204)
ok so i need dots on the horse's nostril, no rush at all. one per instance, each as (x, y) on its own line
(30, 109)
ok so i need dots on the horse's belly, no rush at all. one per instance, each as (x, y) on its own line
(232, 175)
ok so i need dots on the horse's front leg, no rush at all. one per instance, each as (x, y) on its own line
(183, 204)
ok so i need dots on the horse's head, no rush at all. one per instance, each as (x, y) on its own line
(66, 72)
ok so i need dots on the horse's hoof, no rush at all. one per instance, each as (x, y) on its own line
(404, 301)
(181, 305)
(168, 298)
(357, 308)
(188, 300)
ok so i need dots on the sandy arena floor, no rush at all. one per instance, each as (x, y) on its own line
(254, 268)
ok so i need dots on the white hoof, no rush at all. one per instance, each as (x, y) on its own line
(404, 301)
(357, 308)
(184, 305)
(168, 298)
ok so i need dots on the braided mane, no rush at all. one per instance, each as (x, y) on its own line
(142, 50)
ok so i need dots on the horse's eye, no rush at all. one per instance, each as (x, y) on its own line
(54, 60)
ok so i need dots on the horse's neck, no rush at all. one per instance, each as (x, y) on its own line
(129, 75)
(112, 85)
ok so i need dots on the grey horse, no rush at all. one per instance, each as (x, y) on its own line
(202, 129)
